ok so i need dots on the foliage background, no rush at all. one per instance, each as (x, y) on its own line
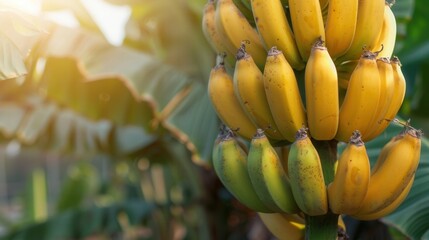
(114, 142)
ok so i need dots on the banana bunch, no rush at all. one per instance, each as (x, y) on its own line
(266, 51)
(300, 74)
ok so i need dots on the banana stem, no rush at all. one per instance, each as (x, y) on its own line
(324, 226)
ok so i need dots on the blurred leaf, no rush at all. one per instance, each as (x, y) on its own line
(77, 8)
(81, 183)
(130, 139)
(84, 222)
(146, 79)
(36, 123)
(11, 116)
(35, 199)
(12, 63)
(414, 46)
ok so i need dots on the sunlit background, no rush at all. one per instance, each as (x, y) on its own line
(110, 18)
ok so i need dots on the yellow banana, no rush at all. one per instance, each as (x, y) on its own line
(340, 26)
(274, 28)
(347, 191)
(283, 226)
(283, 95)
(399, 87)
(387, 36)
(250, 91)
(386, 94)
(268, 176)
(212, 35)
(389, 208)
(321, 92)
(361, 99)
(234, 28)
(307, 23)
(306, 176)
(245, 10)
(402, 159)
(230, 165)
(369, 24)
(226, 104)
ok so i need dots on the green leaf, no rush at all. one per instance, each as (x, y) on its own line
(80, 184)
(83, 222)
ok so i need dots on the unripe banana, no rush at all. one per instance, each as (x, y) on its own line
(386, 94)
(268, 176)
(283, 226)
(347, 191)
(283, 95)
(234, 28)
(340, 26)
(307, 23)
(361, 99)
(230, 165)
(321, 92)
(212, 35)
(387, 36)
(274, 28)
(389, 208)
(226, 104)
(402, 159)
(250, 91)
(368, 26)
(399, 87)
(306, 176)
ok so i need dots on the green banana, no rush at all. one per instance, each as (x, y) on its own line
(306, 176)
(230, 165)
(268, 176)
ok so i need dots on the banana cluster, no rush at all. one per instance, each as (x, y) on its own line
(291, 181)
(351, 89)
(342, 48)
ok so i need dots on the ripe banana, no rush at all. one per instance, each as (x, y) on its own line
(283, 94)
(226, 104)
(307, 24)
(402, 159)
(347, 191)
(247, 12)
(234, 28)
(306, 176)
(283, 226)
(230, 165)
(212, 35)
(340, 26)
(368, 26)
(389, 208)
(273, 27)
(399, 87)
(387, 36)
(321, 92)
(250, 91)
(361, 100)
(268, 176)
(386, 94)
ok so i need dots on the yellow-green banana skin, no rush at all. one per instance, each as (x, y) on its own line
(268, 175)
(306, 176)
(230, 165)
